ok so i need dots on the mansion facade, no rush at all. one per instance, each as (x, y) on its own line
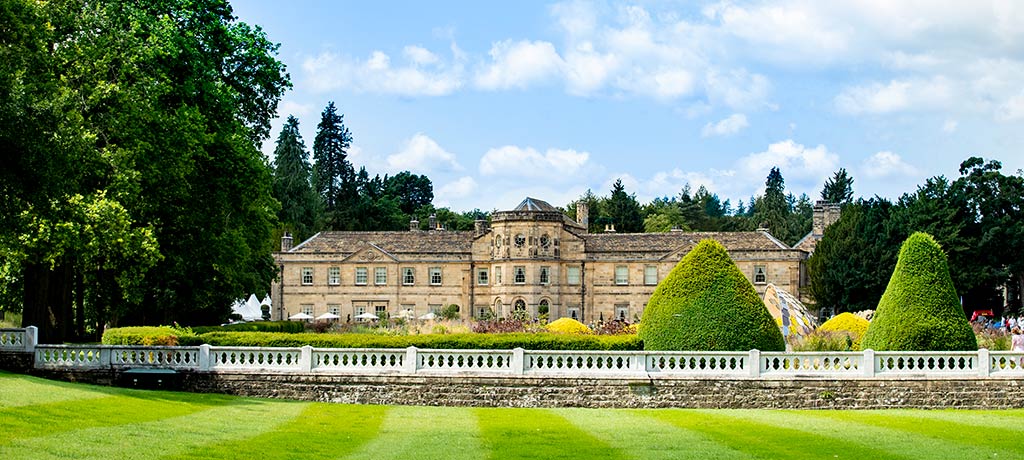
(533, 258)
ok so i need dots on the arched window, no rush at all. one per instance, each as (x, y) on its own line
(520, 305)
(543, 308)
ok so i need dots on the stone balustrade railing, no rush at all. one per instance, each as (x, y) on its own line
(519, 362)
(18, 340)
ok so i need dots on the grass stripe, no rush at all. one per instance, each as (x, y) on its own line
(424, 433)
(538, 433)
(235, 419)
(22, 390)
(760, 440)
(642, 437)
(129, 407)
(315, 433)
(894, 441)
(982, 440)
(1007, 419)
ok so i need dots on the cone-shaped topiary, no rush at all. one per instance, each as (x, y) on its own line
(707, 304)
(919, 310)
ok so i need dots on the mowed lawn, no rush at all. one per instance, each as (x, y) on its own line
(41, 419)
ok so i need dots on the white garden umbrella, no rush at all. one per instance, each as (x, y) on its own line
(301, 316)
(367, 316)
(428, 316)
(328, 316)
(406, 314)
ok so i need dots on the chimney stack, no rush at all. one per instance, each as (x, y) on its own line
(583, 214)
(433, 222)
(480, 226)
(825, 214)
(414, 225)
(286, 242)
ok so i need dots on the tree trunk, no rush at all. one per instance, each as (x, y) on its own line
(79, 305)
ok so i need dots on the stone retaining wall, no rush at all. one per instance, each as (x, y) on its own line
(16, 362)
(966, 393)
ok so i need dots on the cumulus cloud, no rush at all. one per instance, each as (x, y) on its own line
(424, 74)
(949, 126)
(730, 125)
(897, 95)
(519, 64)
(803, 167)
(422, 154)
(554, 164)
(459, 188)
(1012, 109)
(887, 164)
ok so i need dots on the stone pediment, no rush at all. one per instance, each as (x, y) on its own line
(679, 251)
(370, 253)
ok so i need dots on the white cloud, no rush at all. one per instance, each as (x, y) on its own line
(949, 126)
(422, 154)
(459, 188)
(738, 89)
(802, 167)
(897, 95)
(886, 164)
(519, 64)
(420, 55)
(1012, 109)
(425, 74)
(730, 125)
(554, 164)
(289, 107)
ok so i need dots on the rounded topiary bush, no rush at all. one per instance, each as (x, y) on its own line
(848, 323)
(707, 304)
(567, 326)
(920, 310)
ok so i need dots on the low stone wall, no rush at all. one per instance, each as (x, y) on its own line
(967, 393)
(15, 362)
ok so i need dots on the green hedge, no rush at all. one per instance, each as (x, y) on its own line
(255, 326)
(439, 341)
(148, 335)
(706, 304)
(920, 310)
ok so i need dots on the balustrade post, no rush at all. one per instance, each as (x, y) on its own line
(31, 338)
(984, 362)
(754, 363)
(306, 359)
(204, 357)
(411, 363)
(638, 362)
(869, 363)
(106, 357)
(518, 361)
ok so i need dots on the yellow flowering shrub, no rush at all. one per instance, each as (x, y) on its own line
(567, 326)
(850, 323)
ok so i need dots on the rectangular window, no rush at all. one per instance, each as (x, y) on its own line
(307, 308)
(334, 276)
(481, 277)
(572, 276)
(622, 312)
(574, 313)
(435, 275)
(307, 275)
(651, 275)
(545, 275)
(435, 309)
(409, 309)
(408, 276)
(497, 275)
(621, 275)
(334, 309)
(759, 275)
(483, 312)
(361, 276)
(380, 275)
(360, 309)
(520, 274)
(381, 311)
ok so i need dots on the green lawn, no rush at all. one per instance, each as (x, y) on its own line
(40, 419)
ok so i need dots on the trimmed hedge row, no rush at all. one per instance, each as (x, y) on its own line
(527, 341)
(147, 335)
(255, 326)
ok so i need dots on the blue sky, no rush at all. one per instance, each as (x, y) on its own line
(498, 101)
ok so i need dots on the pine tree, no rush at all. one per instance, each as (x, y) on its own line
(292, 187)
(333, 175)
(624, 210)
(839, 188)
(772, 209)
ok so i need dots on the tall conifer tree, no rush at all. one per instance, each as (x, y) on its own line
(334, 178)
(292, 187)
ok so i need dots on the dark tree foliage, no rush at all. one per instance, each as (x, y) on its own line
(622, 210)
(411, 190)
(334, 177)
(839, 188)
(851, 264)
(135, 126)
(292, 187)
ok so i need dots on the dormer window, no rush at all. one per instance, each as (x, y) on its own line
(759, 275)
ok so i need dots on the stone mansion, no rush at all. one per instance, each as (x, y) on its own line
(533, 258)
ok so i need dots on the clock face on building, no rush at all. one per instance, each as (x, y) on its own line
(520, 240)
(545, 241)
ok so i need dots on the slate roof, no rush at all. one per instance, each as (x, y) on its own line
(669, 241)
(533, 204)
(406, 242)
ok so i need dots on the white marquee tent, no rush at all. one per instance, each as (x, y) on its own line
(249, 309)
